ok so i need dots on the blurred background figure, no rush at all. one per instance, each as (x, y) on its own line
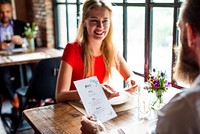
(11, 37)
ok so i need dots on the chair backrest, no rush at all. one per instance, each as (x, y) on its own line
(43, 82)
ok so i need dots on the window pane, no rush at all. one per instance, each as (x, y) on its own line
(163, 1)
(135, 1)
(72, 22)
(162, 39)
(70, 1)
(62, 29)
(117, 1)
(82, 1)
(118, 27)
(136, 23)
(117, 81)
(60, 0)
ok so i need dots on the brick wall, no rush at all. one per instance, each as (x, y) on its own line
(40, 12)
(43, 11)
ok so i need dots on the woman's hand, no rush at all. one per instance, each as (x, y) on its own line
(92, 126)
(109, 91)
(132, 85)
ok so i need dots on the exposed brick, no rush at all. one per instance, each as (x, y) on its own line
(42, 15)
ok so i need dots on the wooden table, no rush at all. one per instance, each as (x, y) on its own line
(48, 52)
(64, 118)
(7, 59)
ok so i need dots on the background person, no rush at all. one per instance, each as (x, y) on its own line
(9, 30)
(182, 114)
(92, 54)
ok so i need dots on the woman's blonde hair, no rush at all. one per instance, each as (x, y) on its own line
(107, 47)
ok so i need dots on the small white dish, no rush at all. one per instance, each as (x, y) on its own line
(122, 98)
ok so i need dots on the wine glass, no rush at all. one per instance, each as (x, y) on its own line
(7, 39)
(7, 36)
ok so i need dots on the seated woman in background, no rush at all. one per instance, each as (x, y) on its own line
(92, 54)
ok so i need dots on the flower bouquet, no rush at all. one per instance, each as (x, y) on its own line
(30, 33)
(30, 30)
(157, 84)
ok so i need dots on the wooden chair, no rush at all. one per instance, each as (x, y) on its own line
(42, 86)
(9, 117)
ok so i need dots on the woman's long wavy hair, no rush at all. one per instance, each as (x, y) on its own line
(107, 47)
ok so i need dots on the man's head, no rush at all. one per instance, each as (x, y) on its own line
(187, 67)
(6, 12)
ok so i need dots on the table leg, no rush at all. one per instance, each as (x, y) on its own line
(21, 75)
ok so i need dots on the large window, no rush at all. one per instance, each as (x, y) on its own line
(145, 31)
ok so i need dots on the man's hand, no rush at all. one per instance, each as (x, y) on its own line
(92, 126)
(16, 39)
(5, 46)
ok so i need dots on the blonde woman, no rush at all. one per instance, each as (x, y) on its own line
(92, 54)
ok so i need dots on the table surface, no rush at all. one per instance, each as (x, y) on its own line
(64, 118)
(39, 53)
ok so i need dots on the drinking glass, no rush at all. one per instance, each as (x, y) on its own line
(143, 103)
(7, 36)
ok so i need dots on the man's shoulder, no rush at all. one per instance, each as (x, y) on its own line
(181, 102)
(19, 22)
(18, 27)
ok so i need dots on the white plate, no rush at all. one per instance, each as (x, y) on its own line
(152, 126)
(122, 98)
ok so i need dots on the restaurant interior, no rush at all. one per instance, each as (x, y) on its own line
(144, 39)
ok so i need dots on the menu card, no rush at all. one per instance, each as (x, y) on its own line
(94, 99)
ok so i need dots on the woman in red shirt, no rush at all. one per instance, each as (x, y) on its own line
(92, 54)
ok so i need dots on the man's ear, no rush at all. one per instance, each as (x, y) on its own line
(191, 35)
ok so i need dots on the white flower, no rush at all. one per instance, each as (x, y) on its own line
(30, 30)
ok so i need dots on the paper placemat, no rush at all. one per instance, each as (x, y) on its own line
(4, 59)
(28, 56)
(3, 52)
(132, 103)
(1, 60)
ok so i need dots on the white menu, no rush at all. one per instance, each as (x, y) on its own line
(94, 99)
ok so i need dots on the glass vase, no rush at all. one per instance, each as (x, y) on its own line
(156, 103)
(31, 44)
